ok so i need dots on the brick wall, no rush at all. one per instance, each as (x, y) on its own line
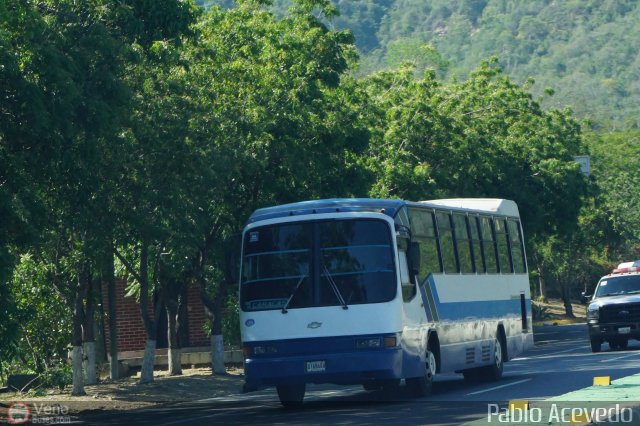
(131, 332)
(197, 318)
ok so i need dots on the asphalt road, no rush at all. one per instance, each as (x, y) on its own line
(561, 362)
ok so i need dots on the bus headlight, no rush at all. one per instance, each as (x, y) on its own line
(373, 342)
(258, 350)
(377, 342)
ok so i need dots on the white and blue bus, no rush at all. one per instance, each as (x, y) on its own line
(373, 291)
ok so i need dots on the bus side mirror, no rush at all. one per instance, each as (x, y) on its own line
(232, 247)
(414, 258)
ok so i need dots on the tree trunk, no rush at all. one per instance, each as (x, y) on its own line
(89, 363)
(566, 298)
(88, 334)
(217, 354)
(148, 362)
(541, 282)
(76, 365)
(113, 329)
(174, 352)
(150, 323)
(76, 342)
(216, 331)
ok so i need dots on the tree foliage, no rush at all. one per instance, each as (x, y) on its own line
(156, 128)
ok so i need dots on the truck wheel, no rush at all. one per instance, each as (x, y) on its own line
(595, 344)
(618, 344)
(291, 396)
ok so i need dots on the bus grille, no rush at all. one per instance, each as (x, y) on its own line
(470, 355)
(628, 312)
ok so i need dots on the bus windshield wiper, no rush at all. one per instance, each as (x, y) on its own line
(334, 286)
(293, 293)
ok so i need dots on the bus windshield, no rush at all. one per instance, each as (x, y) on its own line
(323, 263)
(615, 286)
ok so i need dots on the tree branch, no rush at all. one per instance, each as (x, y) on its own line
(127, 265)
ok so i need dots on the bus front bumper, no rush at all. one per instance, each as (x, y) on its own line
(341, 368)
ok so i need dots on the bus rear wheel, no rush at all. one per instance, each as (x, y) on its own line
(291, 396)
(491, 372)
(422, 386)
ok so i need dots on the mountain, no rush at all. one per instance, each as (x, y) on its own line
(583, 51)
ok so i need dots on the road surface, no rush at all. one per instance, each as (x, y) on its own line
(561, 362)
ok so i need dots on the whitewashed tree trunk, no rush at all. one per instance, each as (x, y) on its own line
(217, 354)
(148, 362)
(89, 363)
(175, 361)
(76, 365)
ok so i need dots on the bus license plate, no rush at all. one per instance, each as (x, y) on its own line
(316, 366)
(624, 330)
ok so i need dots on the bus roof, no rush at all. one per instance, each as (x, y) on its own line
(331, 205)
(386, 206)
(490, 205)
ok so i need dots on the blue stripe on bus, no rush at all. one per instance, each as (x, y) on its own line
(470, 309)
(481, 309)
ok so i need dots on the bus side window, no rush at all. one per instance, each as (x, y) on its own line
(504, 257)
(409, 289)
(463, 243)
(517, 251)
(488, 245)
(423, 232)
(476, 244)
(445, 234)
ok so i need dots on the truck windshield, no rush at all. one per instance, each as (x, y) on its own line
(324, 263)
(615, 286)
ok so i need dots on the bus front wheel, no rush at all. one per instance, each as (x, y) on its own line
(422, 386)
(291, 396)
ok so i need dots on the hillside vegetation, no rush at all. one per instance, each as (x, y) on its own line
(583, 50)
(138, 136)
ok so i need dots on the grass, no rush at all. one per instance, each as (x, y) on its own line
(556, 313)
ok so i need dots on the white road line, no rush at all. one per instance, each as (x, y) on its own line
(620, 357)
(565, 351)
(542, 355)
(498, 387)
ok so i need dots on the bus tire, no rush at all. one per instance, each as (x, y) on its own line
(493, 372)
(291, 396)
(423, 385)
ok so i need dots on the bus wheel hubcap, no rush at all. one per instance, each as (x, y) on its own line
(431, 364)
(498, 353)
